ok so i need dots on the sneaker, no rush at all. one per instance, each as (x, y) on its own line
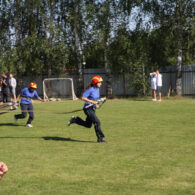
(72, 120)
(154, 100)
(15, 119)
(29, 125)
(101, 141)
(12, 109)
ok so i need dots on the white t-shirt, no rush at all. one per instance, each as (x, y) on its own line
(12, 82)
(153, 81)
(159, 80)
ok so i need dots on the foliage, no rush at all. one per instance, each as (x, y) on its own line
(40, 37)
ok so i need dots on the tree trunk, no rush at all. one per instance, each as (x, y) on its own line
(79, 53)
(106, 52)
(51, 35)
(108, 76)
(18, 46)
(179, 74)
(170, 85)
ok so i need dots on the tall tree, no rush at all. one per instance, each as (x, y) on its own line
(77, 28)
(106, 39)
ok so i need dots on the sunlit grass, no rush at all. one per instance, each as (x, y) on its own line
(149, 150)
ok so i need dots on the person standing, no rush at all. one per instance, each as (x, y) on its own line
(12, 84)
(5, 88)
(153, 85)
(90, 96)
(159, 84)
(26, 103)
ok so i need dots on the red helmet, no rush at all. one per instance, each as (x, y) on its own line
(33, 85)
(96, 79)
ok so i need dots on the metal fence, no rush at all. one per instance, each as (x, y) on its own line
(121, 83)
(188, 80)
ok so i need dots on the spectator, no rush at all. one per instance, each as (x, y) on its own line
(153, 85)
(159, 84)
(5, 88)
(12, 84)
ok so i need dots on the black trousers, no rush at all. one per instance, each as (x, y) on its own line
(91, 119)
(26, 108)
(1, 99)
(6, 97)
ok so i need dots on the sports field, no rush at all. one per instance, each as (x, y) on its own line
(150, 149)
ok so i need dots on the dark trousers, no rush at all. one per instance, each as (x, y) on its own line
(6, 95)
(91, 119)
(1, 99)
(26, 108)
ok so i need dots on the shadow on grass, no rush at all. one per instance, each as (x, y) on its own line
(48, 138)
(64, 139)
(9, 124)
(69, 112)
(4, 112)
(142, 100)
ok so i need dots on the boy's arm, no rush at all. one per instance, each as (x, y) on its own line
(40, 99)
(17, 99)
(4, 82)
(88, 100)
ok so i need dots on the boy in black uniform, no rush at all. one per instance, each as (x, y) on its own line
(5, 88)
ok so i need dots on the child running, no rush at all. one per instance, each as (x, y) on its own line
(26, 103)
(90, 96)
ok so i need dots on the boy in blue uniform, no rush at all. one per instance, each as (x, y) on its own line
(90, 96)
(26, 103)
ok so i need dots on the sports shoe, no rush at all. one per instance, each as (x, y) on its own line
(15, 119)
(29, 125)
(72, 120)
(101, 141)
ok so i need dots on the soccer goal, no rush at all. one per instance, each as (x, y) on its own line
(58, 88)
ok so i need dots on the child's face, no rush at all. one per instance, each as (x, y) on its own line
(99, 84)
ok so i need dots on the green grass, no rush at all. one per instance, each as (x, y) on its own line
(150, 149)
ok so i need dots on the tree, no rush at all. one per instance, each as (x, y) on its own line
(78, 44)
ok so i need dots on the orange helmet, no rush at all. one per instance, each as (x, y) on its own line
(33, 85)
(96, 79)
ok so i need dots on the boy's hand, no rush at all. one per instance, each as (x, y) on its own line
(3, 169)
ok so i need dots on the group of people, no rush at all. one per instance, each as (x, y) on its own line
(90, 96)
(7, 88)
(156, 85)
(8, 94)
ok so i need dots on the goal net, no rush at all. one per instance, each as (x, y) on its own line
(58, 88)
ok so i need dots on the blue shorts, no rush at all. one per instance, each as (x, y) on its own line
(158, 89)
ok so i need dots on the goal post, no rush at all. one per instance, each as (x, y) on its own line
(58, 88)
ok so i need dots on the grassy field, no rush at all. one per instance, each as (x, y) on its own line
(150, 149)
